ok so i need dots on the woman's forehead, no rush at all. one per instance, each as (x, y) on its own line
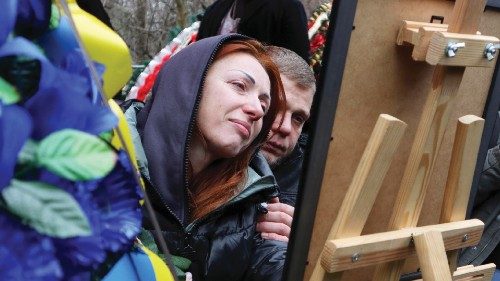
(245, 64)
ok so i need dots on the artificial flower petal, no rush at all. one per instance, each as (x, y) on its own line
(55, 109)
(61, 101)
(51, 78)
(62, 49)
(22, 73)
(15, 128)
(49, 75)
(117, 198)
(33, 17)
(80, 253)
(75, 64)
(25, 254)
(8, 12)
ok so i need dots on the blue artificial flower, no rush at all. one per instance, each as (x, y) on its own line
(8, 13)
(59, 42)
(60, 107)
(78, 254)
(49, 75)
(112, 207)
(65, 97)
(15, 128)
(75, 64)
(62, 49)
(117, 198)
(25, 254)
(62, 98)
(33, 17)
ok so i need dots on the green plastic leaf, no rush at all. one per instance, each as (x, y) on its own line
(27, 155)
(26, 159)
(107, 136)
(55, 17)
(147, 239)
(76, 155)
(8, 94)
(48, 209)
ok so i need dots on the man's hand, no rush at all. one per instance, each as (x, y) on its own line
(276, 224)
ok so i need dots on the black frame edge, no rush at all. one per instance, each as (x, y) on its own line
(325, 104)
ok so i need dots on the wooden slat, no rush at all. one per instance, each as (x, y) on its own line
(469, 266)
(460, 174)
(463, 160)
(422, 45)
(394, 245)
(476, 273)
(471, 55)
(445, 83)
(473, 273)
(366, 182)
(408, 31)
(432, 256)
(466, 16)
(419, 34)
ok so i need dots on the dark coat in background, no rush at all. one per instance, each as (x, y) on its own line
(487, 209)
(281, 23)
(224, 244)
(95, 8)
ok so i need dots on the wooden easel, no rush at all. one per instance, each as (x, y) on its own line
(440, 45)
(345, 249)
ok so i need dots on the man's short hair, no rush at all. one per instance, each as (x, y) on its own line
(292, 66)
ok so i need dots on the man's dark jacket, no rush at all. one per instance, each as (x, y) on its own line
(224, 244)
(487, 209)
(289, 171)
(281, 23)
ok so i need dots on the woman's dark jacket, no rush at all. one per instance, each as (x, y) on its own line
(223, 245)
(277, 22)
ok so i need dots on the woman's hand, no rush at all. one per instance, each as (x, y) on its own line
(277, 223)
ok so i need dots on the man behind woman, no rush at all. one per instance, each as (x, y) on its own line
(212, 106)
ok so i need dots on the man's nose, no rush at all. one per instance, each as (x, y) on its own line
(286, 125)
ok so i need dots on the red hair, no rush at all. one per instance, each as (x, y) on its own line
(217, 183)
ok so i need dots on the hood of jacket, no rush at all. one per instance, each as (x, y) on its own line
(165, 123)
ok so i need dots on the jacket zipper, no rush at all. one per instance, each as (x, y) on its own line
(163, 202)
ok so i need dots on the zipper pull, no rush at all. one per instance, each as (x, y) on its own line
(262, 208)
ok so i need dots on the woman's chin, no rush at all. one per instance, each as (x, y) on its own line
(231, 151)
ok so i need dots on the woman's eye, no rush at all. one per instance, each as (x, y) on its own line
(239, 85)
(264, 107)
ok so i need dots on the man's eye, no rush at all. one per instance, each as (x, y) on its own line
(299, 119)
